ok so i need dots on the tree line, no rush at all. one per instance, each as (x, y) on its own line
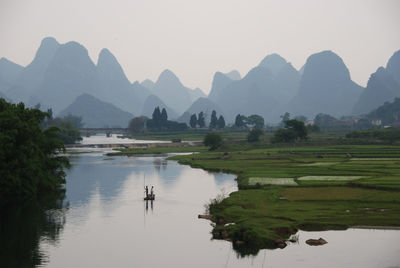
(30, 163)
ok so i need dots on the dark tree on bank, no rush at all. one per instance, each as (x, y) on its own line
(240, 121)
(221, 122)
(163, 117)
(193, 121)
(200, 120)
(137, 124)
(214, 120)
(29, 159)
(160, 122)
(156, 117)
(213, 140)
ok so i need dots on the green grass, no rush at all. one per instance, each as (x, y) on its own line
(335, 190)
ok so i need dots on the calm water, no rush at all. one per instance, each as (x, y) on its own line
(104, 222)
(113, 139)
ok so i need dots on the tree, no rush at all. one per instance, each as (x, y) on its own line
(75, 120)
(69, 133)
(284, 135)
(255, 121)
(137, 124)
(301, 118)
(214, 120)
(254, 135)
(221, 122)
(163, 117)
(30, 163)
(284, 118)
(298, 127)
(156, 117)
(214, 140)
(292, 131)
(200, 120)
(240, 121)
(193, 121)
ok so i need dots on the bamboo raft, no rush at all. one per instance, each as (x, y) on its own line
(150, 197)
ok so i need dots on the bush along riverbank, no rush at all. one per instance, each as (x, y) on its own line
(282, 190)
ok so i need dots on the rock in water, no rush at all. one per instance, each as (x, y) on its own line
(316, 242)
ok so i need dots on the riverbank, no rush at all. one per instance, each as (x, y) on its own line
(283, 190)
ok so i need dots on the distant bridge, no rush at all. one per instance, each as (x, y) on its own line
(103, 130)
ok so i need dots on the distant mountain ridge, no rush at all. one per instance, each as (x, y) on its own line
(383, 86)
(59, 73)
(96, 113)
(325, 87)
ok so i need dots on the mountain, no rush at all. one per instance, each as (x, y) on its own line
(96, 113)
(152, 102)
(220, 81)
(274, 63)
(393, 66)
(9, 70)
(170, 90)
(70, 73)
(113, 86)
(148, 84)
(383, 85)
(233, 75)
(201, 105)
(33, 74)
(325, 87)
(265, 90)
(388, 113)
(254, 94)
(196, 94)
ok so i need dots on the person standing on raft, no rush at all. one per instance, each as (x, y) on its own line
(147, 191)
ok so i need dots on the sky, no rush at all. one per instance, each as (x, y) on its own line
(195, 39)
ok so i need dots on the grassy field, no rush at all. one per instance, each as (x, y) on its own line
(309, 188)
(190, 135)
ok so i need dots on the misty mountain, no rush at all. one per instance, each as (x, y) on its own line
(383, 85)
(171, 91)
(152, 102)
(9, 71)
(33, 74)
(60, 73)
(393, 66)
(113, 86)
(325, 87)
(201, 105)
(148, 84)
(97, 113)
(70, 73)
(274, 63)
(233, 75)
(196, 94)
(219, 83)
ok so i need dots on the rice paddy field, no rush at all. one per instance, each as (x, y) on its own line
(311, 188)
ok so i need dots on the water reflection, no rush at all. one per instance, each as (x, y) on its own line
(23, 227)
(108, 224)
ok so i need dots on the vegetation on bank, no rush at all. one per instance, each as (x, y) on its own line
(29, 160)
(335, 187)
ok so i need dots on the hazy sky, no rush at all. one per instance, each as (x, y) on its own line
(197, 38)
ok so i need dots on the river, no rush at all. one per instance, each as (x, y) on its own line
(104, 222)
